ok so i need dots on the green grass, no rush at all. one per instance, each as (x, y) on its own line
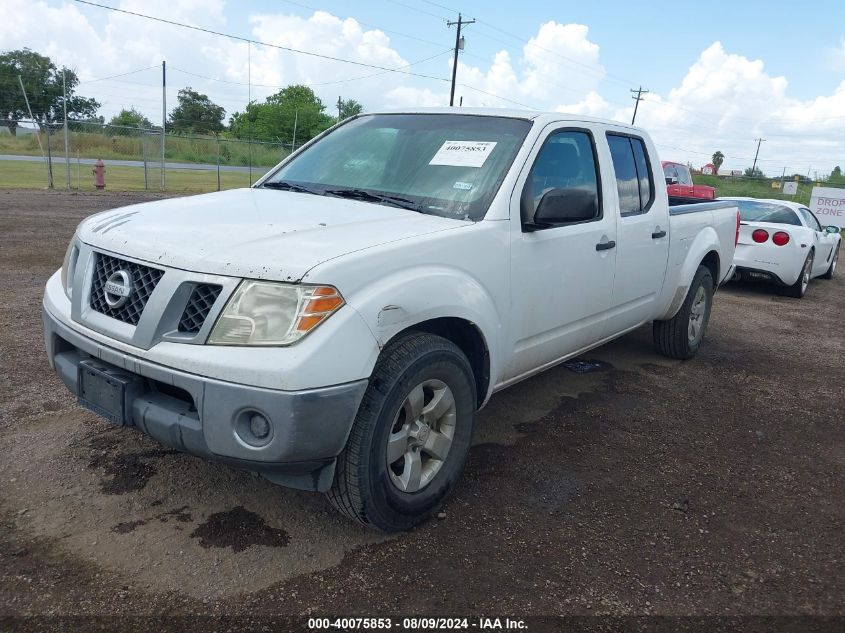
(752, 188)
(30, 175)
(128, 147)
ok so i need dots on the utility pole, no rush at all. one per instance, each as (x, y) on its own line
(754, 166)
(249, 103)
(339, 106)
(64, 110)
(37, 133)
(144, 155)
(459, 46)
(640, 92)
(163, 118)
(49, 157)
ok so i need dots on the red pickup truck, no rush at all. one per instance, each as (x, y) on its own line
(679, 182)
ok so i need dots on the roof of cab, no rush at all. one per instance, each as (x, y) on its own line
(511, 113)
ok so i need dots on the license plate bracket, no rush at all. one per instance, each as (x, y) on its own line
(108, 391)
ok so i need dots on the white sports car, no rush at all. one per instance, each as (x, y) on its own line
(784, 243)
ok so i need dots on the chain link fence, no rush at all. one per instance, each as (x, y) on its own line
(35, 156)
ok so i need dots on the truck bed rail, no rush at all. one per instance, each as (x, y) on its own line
(679, 205)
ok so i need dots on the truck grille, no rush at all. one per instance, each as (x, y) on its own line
(198, 307)
(144, 281)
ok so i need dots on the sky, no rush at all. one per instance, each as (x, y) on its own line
(719, 74)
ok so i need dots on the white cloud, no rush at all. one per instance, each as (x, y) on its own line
(836, 56)
(726, 100)
(723, 101)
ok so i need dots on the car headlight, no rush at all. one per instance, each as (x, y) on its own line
(270, 313)
(69, 267)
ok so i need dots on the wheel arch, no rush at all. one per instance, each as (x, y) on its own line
(469, 339)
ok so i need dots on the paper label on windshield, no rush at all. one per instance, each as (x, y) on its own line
(463, 153)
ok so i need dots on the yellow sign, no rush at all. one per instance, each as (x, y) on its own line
(775, 184)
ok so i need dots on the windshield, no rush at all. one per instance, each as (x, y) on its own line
(449, 165)
(754, 211)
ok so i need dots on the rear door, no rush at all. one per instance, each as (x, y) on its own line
(561, 275)
(642, 231)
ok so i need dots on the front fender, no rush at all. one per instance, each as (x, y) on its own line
(400, 300)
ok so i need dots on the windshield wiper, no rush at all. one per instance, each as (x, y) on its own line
(369, 196)
(283, 185)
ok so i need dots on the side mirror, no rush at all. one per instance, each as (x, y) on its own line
(671, 180)
(832, 229)
(566, 206)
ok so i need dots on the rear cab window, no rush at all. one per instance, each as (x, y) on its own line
(634, 180)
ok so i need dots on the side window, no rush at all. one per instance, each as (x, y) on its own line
(684, 177)
(670, 172)
(633, 175)
(643, 173)
(566, 161)
(812, 222)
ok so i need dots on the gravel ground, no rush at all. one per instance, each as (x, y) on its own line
(711, 487)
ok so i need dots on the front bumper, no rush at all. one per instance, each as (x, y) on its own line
(204, 416)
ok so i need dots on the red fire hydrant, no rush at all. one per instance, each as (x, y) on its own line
(99, 172)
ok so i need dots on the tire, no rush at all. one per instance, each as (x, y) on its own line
(679, 337)
(368, 486)
(832, 268)
(799, 288)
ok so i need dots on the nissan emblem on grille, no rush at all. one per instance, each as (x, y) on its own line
(117, 288)
(120, 289)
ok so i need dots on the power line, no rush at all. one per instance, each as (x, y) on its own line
(251, 41)
(587, 67)
(418, 10)
(131, 72)
(322, 83)
(369, 24)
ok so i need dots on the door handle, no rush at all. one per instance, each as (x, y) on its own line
(658, 234)
(605, 246)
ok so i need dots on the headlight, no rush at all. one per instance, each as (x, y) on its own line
(269, 313)
(69, 267)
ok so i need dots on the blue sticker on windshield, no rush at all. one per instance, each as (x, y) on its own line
(466, 186)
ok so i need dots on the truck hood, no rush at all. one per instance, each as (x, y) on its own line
(255, 233)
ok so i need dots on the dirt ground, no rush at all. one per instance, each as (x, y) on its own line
(651, 487)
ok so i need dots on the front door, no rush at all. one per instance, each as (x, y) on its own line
(561, 274)
(823, 243)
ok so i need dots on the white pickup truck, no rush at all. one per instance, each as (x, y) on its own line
(337, 326)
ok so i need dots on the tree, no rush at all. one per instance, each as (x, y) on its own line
(348, 108)
(753, 172)
(131, 118)
(836, 175)
(196, 113)
(717, 159)
(274, 120)
(43, 84)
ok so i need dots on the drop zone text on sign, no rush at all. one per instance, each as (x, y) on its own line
(828, 205)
